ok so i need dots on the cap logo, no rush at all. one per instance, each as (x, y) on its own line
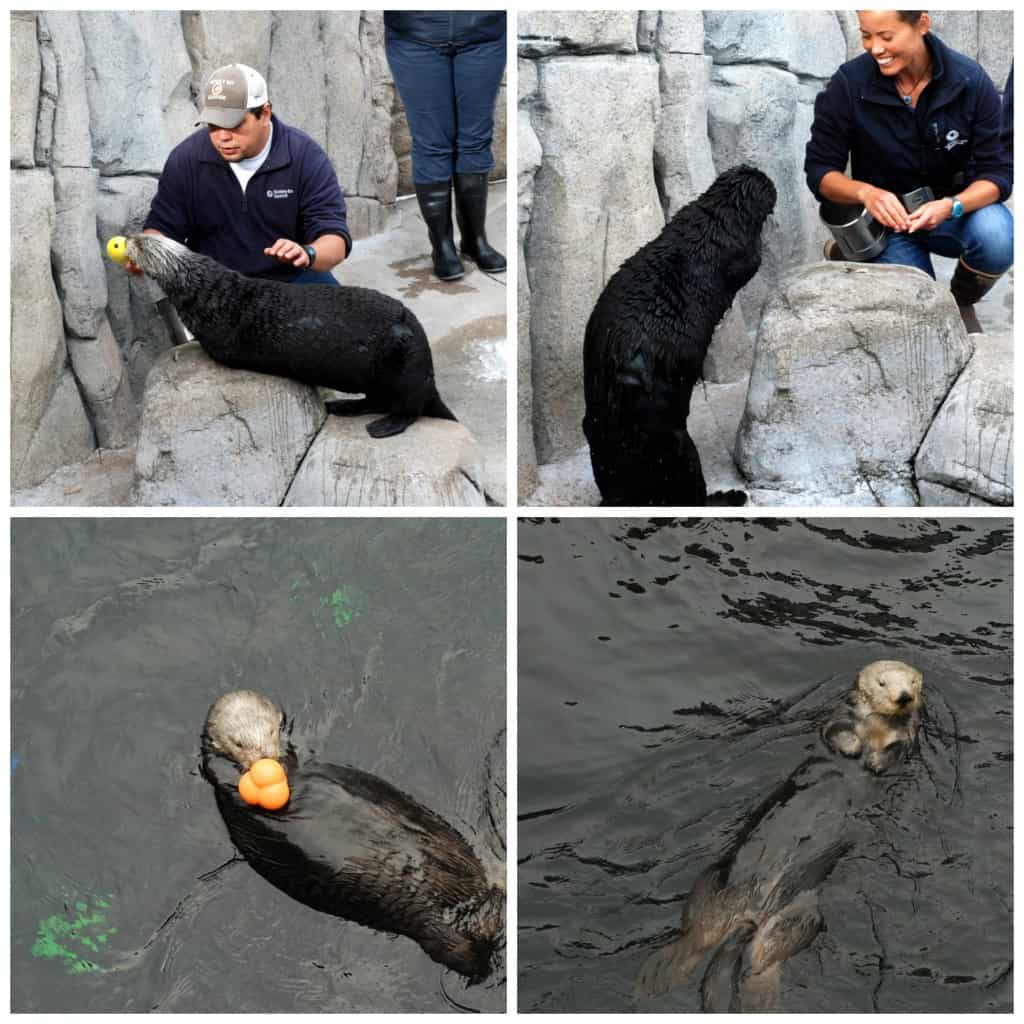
(216, 88)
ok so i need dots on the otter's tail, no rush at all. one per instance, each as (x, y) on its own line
(436, 408)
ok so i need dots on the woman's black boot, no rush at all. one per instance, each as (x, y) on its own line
(471, 213)
(968, 287)
(435, 201)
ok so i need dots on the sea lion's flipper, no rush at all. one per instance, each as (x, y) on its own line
(719, 991)
(352, 406)
(436, 408)
(388, 426)
(667, 968)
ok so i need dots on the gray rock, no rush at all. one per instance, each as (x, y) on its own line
(26, 78)
(995, 44)
(435, 463)
(214, 436)
(752, 118)
(804, 42)
(77, 262)
(682, 150)
(932, 495)
(594, 205)
(298, 42)
(851, 364)
(568, 481)
(680, 32)
(731, 354)
(542, 33)
(103, 381)
(133, 129)
(64, 435)
(370, 217)
(215, 38)
(103, 479)
(63, 138)
(121, 208)
(37, 325)
(969, 447)
(958, 29)
(529, 161)
(360, 99)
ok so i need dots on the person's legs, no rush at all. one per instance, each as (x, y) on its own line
(906, 250)
(478, 71)
(423, 77)
(315, 277)
(982, 244)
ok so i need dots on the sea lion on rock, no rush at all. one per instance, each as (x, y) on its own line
(348, 339)
(649, 333)
(350, 844)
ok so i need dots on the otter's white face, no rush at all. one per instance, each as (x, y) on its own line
(245, 726)
(890, 687)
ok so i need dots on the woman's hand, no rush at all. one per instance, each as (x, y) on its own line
(930, 215)
(886, 208)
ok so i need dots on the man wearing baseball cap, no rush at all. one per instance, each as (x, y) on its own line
(250, 191)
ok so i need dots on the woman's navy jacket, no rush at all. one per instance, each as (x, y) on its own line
(952, 139)
(444, 28)
(294, 195)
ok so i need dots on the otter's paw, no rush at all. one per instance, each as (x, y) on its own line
(842, 739)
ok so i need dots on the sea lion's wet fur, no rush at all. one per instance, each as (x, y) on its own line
(349, 339)
(352, 845)
(647, 337)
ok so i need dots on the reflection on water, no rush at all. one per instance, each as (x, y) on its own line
(384, 641)
(673, 673)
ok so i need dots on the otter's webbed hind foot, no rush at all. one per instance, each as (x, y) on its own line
(720, 988)
(666, 968)
(389, 426)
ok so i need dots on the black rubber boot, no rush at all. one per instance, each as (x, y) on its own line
(471, 213)
(435, 201)
(968, 287)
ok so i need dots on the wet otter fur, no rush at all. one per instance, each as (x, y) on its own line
(757, 904)
(350, 844)
(348, 339)
(879, 719)
(647, 337)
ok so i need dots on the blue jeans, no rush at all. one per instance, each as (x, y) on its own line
(983, 238)
(315, 277)
(449, 101)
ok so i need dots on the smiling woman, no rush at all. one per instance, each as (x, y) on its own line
(914, 117)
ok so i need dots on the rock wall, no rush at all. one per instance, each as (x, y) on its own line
(98, 100)
(635, 113)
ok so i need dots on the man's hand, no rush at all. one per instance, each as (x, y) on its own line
(288, 252)
(133, 268)
(930, 215)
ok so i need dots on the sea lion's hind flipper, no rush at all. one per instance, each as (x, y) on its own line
(389, 426)
(719, 990)
(667, 968)
(353, 406)
(435, 407)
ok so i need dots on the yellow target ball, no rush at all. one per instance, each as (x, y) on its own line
(117, 249)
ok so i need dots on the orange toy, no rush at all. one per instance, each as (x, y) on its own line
(266, 784)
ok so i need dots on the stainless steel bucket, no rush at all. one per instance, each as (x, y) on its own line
(860, 237)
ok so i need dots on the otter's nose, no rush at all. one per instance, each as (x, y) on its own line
(903, 699)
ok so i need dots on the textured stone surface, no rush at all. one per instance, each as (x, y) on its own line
(216, 38)
(969, 447)
(77, 261)
(542, 33)
(64, 434)
(679, 32)
(594, 205)
(103, 479)
(63, 138)
(852, 363)
(807, 43)
(26, 77)
(138, 82)
(103, 380)
(434, 463)
(214, 436)
(37, 328)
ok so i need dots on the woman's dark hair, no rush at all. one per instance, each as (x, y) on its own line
(910, 17)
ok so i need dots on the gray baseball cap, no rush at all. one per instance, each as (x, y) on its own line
(230, 92)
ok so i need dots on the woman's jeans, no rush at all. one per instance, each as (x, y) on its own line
(449, 97)
(983, 238)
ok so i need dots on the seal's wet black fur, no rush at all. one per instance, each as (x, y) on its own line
(349, 339)
(649, 333)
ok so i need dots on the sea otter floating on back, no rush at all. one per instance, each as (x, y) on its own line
(349, 339)
(350, 844)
